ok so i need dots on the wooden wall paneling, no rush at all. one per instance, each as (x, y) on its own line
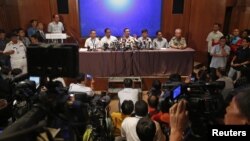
(231, 3)
(203, 14)
(172, 21)
(4, 20)
(12, 14)
(244, 18)
(196, 21)
(241, 15)
(30, 9)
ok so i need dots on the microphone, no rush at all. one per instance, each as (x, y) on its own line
(155, 45)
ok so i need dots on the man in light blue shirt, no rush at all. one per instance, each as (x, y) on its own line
(220, 54)
(159, 41)
(145, 41)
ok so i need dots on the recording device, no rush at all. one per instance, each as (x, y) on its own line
(89, 77)
(36, 79)
(197, 94)
(176, 92)
(53, 61)
(204, 102)
(106, 46)
(192, 79)
(22, 97)
(88, 48)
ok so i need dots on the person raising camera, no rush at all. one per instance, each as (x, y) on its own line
(237, 113)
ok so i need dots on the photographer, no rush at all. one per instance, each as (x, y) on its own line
(81, 87)
(237, 113)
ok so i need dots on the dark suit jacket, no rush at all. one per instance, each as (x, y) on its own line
(40, 37)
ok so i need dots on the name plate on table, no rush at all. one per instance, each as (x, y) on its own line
(56, 36)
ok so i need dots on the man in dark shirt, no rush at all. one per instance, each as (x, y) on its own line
(241, 60)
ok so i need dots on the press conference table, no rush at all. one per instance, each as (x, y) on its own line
(137, 62)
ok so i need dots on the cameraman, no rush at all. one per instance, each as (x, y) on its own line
(237, 113)
(80, 86)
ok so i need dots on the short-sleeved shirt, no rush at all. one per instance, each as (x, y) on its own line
(219, 62)
(178, 42)
(54, 27)
(128, 94)
(106, 40)
(117, 119)
(31, 31)
(213, 36)
(128, 129)
(80, 88)
(145, 43)
(128, 41)
(19, 50)
(160, 43)
(92, 43)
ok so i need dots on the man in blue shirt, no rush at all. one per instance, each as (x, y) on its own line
(32, 30)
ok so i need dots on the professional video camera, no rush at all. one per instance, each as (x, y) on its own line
(205, 102)
(48, 104)
(23, 97)
(100, 125)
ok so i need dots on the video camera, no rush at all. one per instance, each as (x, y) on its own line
(202, 98)
(204, 102)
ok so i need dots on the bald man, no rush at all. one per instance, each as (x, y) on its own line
(178, 41)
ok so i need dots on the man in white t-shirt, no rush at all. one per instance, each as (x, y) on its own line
(128, 93)
(213, 39)
(17, 51)
(108, 39)
(55, 26)
(128, 127)
(127, 40)
(92, 42)
(80, 86)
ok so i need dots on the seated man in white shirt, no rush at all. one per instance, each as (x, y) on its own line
(128, 93)
(127, 40)
(128, 128)
(160, 42)
(108, 39)
(92, 42)
(80, 87)
(17, 51)
(145, 41)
